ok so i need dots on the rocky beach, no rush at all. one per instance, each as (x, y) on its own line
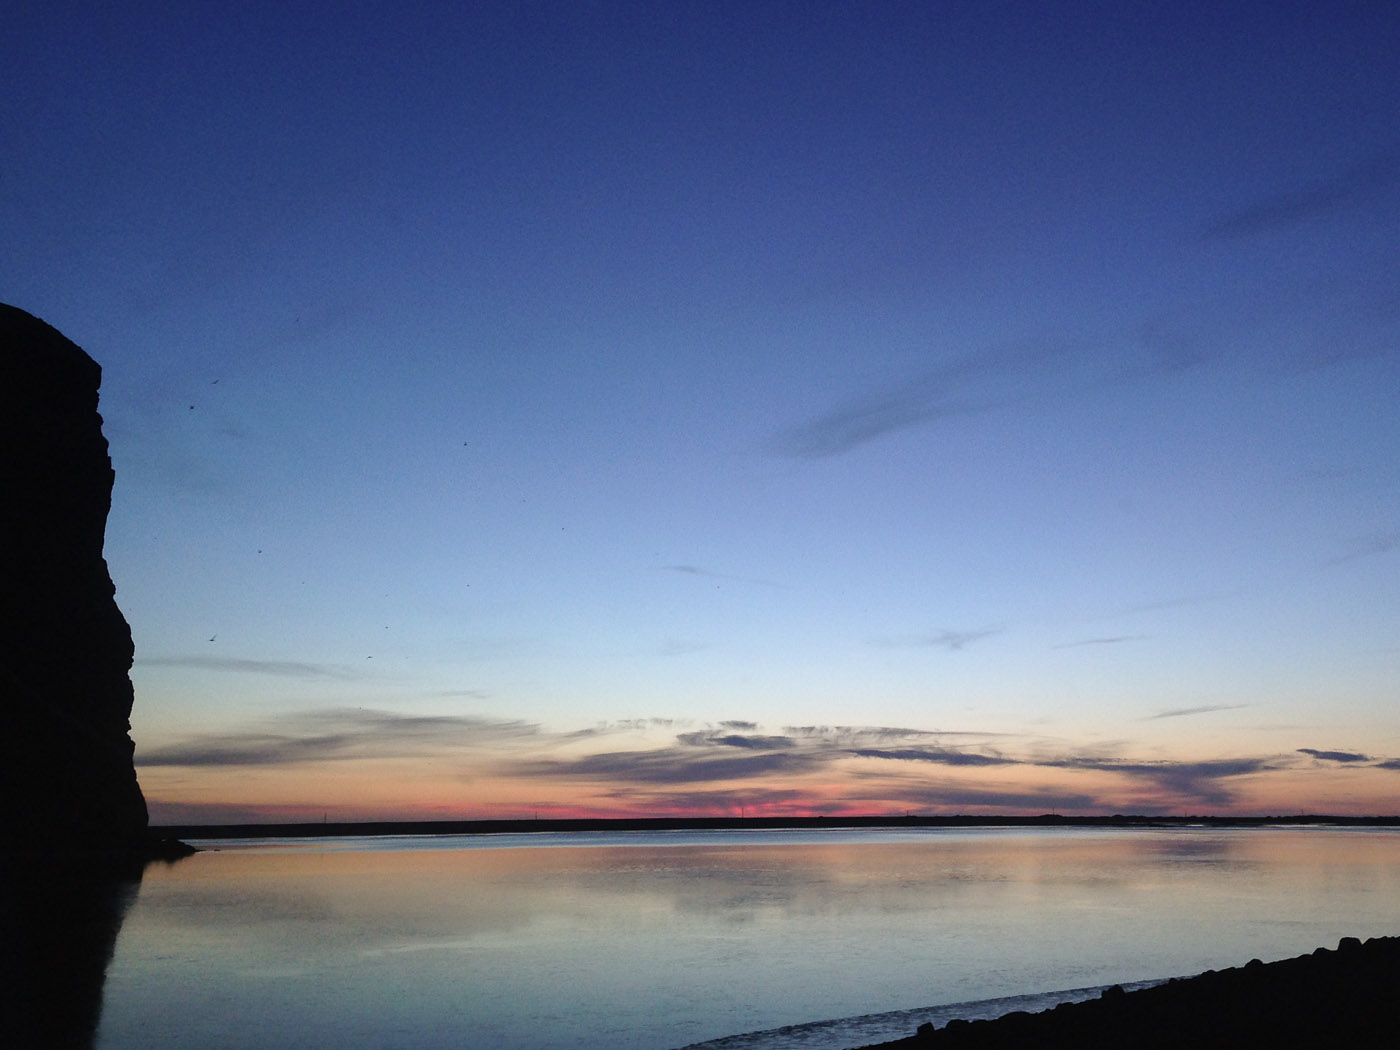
(1330, 997)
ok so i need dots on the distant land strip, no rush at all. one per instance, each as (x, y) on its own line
(319, 829)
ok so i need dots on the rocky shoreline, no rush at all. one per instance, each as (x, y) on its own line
(1326, 998)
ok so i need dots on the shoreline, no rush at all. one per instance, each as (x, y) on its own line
(1328, 997)
(340, 829)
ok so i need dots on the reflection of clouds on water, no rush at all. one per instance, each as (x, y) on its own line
(567, 943)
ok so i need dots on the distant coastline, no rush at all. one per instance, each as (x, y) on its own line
(319, 829)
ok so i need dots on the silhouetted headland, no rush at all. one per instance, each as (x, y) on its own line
(1330, 998)
(66, 771)
(317, 829)
(73, 829)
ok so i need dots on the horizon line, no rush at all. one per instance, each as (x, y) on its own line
(497, 825)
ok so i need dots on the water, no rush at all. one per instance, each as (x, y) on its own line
(651, 941)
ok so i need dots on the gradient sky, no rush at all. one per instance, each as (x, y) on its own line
(612, 408)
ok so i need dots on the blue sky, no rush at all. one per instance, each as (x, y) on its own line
(676, 407)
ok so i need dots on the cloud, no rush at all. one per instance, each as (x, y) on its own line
(336, 734)
(948, 794)
(1376, 543)
(1180, 712)
(749, 765)
(1389, 763)
(245, 749)
(633, 725)
(1101, 641)
(941, 756)
(749, 743)
(672, 766)
(1356, 185)
(847, 737)
(855, 423)
(710, 755)
(1334, 756)
(164, 812)
(704, 800)
(279, 668)
(943, 639)
(975, 383)
(979, 382)
(679, 647)
(1196, 781)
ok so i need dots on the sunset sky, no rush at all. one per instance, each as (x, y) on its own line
(669, 408)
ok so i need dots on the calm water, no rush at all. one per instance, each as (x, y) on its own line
(655, 941)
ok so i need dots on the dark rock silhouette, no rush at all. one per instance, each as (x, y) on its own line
(60, 915)
(67, 778)
(1344, 997)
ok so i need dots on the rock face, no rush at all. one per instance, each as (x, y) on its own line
(66, 771)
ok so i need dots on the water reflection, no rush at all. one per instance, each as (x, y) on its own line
(59, 920)
(659, 942)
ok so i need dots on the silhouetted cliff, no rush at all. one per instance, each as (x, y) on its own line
(66, 772)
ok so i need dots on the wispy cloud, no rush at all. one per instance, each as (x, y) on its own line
(711, 574)
(1358, 184)
(673, 766)
(942, 639)
(1181, 712)
(748, 743)
(712, 756)
(717, 800)
(848, 737)
(1334, 756)
(635, 725)
(946, 794)
(721, 754)
(938, 755)
(731, 763)
(1195, 781)
(278, 668)
(174, 812)
(856, 423)
(992, 379)
(1111, 640)
(975, 383)
(336, 734)
(1367, 546)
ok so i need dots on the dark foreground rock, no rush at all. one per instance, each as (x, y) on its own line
(1342, 997)
(67, 779)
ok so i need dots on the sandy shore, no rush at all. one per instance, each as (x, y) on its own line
(1328, 998)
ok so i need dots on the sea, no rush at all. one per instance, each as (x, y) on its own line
(721, 940)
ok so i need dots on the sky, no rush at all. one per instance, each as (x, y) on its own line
(563, 409)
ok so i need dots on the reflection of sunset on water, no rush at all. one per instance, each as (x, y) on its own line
(580, 940)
